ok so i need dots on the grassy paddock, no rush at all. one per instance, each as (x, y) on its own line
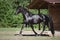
(8, 34)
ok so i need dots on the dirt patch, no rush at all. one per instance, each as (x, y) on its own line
(57, 33)
(9, 35)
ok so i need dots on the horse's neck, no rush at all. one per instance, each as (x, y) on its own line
(25, 14)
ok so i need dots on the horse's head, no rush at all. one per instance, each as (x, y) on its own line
(19, 9)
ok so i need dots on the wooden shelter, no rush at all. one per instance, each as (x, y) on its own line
(53, 7)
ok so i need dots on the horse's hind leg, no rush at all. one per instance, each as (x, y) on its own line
(43, 28)
(39, 26)
(33, 29)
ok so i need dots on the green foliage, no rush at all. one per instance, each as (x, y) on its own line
(7, 11)
(44, 11)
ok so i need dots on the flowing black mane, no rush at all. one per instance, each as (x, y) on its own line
(24, 9)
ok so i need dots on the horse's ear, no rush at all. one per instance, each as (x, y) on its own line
(19, 6)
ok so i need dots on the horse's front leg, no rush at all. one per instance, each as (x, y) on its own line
(33, 29)
(22, 29)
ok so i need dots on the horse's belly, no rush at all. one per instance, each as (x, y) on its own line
(35, 21)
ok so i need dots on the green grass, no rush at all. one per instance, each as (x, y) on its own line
(9, 29)
(8, 34)
(14, 29)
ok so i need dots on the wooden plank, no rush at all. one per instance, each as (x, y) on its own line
(54, 11)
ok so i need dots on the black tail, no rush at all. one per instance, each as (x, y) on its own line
(51, 26)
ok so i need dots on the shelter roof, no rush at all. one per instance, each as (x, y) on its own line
(41, 4)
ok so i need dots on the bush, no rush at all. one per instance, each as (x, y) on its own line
(7, 11)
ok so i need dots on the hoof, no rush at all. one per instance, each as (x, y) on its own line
(36, 34)
(16, 34)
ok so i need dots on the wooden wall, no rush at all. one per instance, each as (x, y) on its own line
(54, 11)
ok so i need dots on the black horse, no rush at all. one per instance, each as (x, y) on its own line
(30, 19)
